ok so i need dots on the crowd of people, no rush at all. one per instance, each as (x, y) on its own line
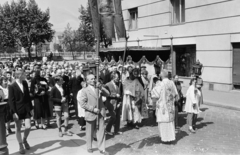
(37, 92)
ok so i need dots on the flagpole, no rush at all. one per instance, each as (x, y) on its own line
(124, 55)
(97, 71)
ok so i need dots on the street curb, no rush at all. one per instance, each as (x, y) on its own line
(221, 106)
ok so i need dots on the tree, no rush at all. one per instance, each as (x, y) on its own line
(69, 38)
(85, 30)
(57, 47)
(24, 24)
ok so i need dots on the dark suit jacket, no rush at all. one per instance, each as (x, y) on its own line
(20, 102)
(56, 97)
(113, 91)
(75, 85)
(65, 78)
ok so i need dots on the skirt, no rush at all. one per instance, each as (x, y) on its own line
(167, 131)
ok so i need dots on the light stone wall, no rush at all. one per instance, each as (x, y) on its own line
(212, 25)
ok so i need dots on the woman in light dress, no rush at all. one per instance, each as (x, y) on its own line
(81, 111)
(193, 102)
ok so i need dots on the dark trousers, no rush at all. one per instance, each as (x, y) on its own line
(114, 118)
(75, 102)
(191, 119)
(3, 139)
(176, 116)
(81, 121)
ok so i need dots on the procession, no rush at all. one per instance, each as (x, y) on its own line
(126, 93)
(123, 77)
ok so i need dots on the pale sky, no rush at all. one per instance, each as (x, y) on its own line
(61, 12)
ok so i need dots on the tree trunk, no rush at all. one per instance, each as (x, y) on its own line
(36, 52)
(72, 55)
(29, 53)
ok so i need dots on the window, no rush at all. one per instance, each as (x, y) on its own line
(185, 58)
(133, 20)
(178, 11)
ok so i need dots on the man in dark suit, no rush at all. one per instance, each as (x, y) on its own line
(59, 97)
(21, 108)
(75, 86)
(113, 103)
(105, 75)
(94, 113)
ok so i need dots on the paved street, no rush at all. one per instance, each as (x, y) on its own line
(218, 133)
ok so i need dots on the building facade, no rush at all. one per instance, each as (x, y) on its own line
(204, 30)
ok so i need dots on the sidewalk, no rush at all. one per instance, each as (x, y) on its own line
(229, 100)
(47, 142)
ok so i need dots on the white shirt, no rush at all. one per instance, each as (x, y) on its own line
(93, 89)
(20, 85)
(59, 88)
(5, 92)
(114, 84)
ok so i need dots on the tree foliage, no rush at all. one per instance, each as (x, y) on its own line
(85, 30)
(24, 24)
(70, 39)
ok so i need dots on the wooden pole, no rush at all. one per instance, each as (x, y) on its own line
(97, 73)
(124, 55)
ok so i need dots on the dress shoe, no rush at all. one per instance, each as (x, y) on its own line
(36, 126)
(67, 133)
(21, 149)
(60, 134)
(104, 153)
(118, 133)
(136, 127)
(44, 127)
(49, 126)
(40, 126)
(26, 145)
(90, 151)
(82, 128)
(109, 133)
(194, 128)
(192, 131)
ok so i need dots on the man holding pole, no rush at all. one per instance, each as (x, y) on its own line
(94, 114)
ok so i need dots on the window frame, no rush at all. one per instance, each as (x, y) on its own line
(180, 14)
(135, 12)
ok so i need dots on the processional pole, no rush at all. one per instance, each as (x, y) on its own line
(97, 71)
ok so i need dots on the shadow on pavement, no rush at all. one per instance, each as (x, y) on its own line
(45, 145)
(203, 124)
(81, 134)
(150, 141)
(180, 135)
(114, 149)
(203, 109)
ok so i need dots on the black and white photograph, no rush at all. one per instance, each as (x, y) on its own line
(119, 77)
